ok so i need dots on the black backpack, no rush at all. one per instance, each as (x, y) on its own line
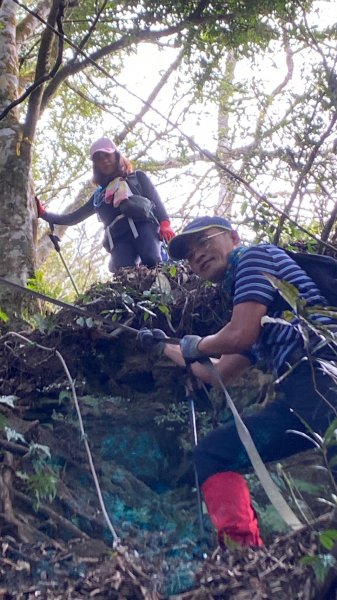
(322, 270)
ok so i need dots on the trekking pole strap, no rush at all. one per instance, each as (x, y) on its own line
(55, 240)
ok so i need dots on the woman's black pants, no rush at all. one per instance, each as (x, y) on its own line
(129, 251)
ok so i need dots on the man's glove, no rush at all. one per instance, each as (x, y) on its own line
(151, 340)
(165, 231)
(40, 208)
(189, 349)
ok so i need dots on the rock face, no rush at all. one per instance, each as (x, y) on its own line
(137, 426)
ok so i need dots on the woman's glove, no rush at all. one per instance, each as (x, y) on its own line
(189, 349)
(165, 231)
(151, 340)
(40, 208)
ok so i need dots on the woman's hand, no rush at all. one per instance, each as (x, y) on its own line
(165, 231)
(40, 208)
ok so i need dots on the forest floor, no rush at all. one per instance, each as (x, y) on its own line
(88, 569)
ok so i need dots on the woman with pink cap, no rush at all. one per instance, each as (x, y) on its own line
(134, 217)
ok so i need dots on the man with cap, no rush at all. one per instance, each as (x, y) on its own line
(129, 206)
(307, 398)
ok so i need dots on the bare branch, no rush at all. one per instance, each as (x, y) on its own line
(135, 37)
(92, 26)
(329, 225)
(146, 107)
(76, 66)
(290, 70)
(303, 174)
(147, 104)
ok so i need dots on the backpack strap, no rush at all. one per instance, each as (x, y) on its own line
(133, 227)
(118, 218)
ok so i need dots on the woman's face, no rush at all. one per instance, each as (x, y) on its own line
(106, 163)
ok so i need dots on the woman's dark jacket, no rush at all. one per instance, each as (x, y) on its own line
(139, 184)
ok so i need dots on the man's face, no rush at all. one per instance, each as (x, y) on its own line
(208, 252)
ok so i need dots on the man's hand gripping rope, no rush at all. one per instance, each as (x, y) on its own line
(154, 341)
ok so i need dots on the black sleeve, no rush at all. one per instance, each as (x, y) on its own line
(150, 192)
(72, 218)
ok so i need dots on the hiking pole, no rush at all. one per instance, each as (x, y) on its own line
(189, 390)
(56, 243)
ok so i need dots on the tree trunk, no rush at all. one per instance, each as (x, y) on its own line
(17, 211)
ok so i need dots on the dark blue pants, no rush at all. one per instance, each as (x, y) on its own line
(129, 251)
(222, 450)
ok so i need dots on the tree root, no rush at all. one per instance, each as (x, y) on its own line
(57, 520)
(24, 532)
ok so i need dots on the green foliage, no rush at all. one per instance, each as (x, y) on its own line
(42, 486)
(85, 322)
(288, 291)
(77, 108)
(177, 419)
(176, 414)
(270, 520)
(329, 368)
(321, 564)
(82, 100)
(39, 284)
(158, 297)
(3, 316)
(154, 300)
(42, 482)
(44, 323)
(39, 454)
(65, 395)
(328, 538)
(330, 436)
(8, 400)
(306, 486)
(306, 324)
(84, 261)
(14, 436)
(43, 283)
(143, 303)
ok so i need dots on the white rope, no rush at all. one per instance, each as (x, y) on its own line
(83, 434)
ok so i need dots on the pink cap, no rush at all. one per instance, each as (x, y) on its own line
(102, 145)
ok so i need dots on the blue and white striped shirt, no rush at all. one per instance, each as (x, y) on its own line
(276, 342)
